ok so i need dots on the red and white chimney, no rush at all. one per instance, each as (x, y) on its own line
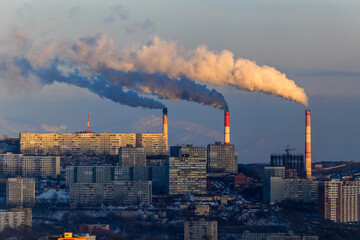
(226, 128)
(308, 143)
(165, 130)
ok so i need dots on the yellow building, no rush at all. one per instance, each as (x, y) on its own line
(89, 143)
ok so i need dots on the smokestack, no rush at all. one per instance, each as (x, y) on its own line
(227, 128)
(165, 130)
(308, 143)
(88, 127)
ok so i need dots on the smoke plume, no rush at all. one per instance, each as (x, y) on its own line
(159, 56)
(158, 68)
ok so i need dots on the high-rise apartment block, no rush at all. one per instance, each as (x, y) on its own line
(103, 174)
(20, 191)
(187, 170)
(200, 230)
(12, 165)
(16, 217)
(84, 143)
(114, 193)
(221, 158)
(339, 200)
(130, 156)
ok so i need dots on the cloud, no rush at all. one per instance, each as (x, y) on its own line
(139, 27)
(53, 128)
(147, 123)
(117, 12)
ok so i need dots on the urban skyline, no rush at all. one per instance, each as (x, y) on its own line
(260, 123)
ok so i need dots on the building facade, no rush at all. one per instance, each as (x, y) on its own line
(339, 200)
(15, 218)
(130, 156)
(83, 143)
(12, 165)
(277, 189)
(200, 230)
(293, 162)
(187, 170)
(103, 174)
(221, 158)
(112, 193)
(20, 192)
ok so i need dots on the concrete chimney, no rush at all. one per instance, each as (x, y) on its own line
(308, 143)
(226, 128)
(165, 130)
(88, 127)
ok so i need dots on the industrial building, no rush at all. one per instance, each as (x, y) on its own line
(20, 192)
(187, 170)
(15, 218)
(130, 156)
(200, 230)
(291, 162)
(12, 165)
(221, 158)
(111, 193)
(339, 200)
(104, 174)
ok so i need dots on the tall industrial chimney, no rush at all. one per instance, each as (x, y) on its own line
(88, 128)
(226, 128)
(308, 143)
(165, 130)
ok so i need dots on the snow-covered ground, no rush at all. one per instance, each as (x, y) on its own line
(54, 195)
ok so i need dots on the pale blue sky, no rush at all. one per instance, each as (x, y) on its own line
(316, 43)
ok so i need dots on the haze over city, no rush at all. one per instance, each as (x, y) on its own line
(314, 44)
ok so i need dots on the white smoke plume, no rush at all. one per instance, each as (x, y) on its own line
(159, 56)
(157, 68)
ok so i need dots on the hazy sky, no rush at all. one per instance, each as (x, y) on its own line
(315, 43)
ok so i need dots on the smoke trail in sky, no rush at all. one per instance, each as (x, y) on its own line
(159, 56)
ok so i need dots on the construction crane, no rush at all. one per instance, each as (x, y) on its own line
(288, 149)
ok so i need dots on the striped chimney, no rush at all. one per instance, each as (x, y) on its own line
(308, 143)
(88, 127)
(165, 130)
(226, 128)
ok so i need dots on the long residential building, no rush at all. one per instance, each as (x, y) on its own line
(277, 189)
(90, 143)
(112, 193)
(12, 165)
(104, 174)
